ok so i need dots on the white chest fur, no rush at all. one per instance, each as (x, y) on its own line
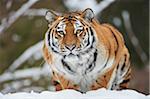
(80, 72)
(81, 75)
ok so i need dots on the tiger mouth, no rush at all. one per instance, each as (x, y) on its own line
(71, 54)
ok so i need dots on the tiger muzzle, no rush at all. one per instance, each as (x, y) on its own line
(70, 47)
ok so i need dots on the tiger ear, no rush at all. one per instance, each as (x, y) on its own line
(88, 14)
(51, 16)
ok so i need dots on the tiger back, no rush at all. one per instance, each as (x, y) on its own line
(84, 54)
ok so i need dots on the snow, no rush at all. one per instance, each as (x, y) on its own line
(72, 94)
(36, 12)
(20, 74)
(83, 4)
(7, 22)
(35, 51)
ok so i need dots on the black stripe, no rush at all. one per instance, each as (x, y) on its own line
(88, 42)
(95, 56)
(49, 37)
(75, 18)
(116, 41)
(55, 83)
(93, 39)
(67, 66)
(52, 39)
(115, 38)
(54, 50)
(92, 44)
(52, 42)
(56, 25)
(92, 65)
(91, 31)
(92, 34)
(117, 66)
(124, 64)
(123, 87)
(82, 23)
(104, 65)
(125, 81)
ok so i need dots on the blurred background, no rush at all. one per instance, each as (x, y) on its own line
(22, 29)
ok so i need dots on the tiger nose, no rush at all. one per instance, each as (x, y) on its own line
(70, 47)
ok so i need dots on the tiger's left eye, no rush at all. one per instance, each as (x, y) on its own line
(60, 32)
(79, 31)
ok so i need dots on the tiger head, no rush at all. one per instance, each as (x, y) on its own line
(71, 33)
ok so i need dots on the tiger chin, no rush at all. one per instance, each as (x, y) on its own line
(84, 54)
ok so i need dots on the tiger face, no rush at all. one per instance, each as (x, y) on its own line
(70, 34)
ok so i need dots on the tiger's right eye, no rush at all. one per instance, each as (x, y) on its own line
(61, 32)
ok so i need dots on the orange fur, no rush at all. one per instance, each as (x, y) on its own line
(110, 40)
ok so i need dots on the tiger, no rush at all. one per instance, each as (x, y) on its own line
(84, 54)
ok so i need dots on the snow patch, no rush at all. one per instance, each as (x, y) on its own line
(72, 94)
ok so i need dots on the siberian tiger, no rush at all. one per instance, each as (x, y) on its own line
(84, 54)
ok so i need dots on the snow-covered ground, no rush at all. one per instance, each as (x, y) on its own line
(72, 94)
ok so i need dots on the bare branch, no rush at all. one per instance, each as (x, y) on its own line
(36, 12)
(9, 4)
(7, 22)
(35, 51)
(83, 4)
(26, 73)
(103, 5)
(134, 40)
